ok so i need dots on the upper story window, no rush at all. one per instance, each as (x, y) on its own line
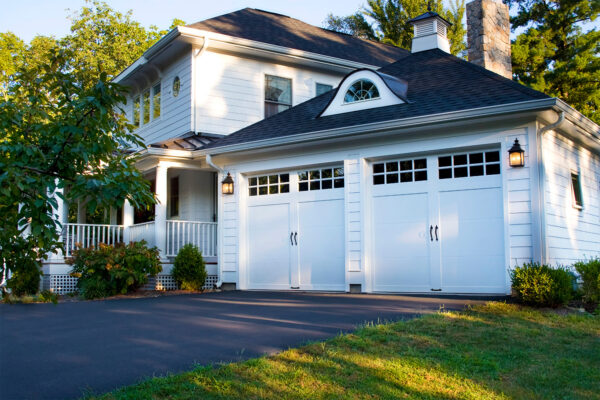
(176, 86)
(147, 107)
(278, 94)
(323, 88)
(577, 197)
(362, 89)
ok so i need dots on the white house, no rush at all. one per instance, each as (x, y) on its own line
(397, 180)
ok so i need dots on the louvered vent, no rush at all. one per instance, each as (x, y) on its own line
(424, 28)
(441, 28)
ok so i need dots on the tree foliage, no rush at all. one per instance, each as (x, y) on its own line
(58, 135)
(554, 54)
(390, 21)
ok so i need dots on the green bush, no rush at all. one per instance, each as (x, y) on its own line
(25, 277)
(542, 286)
(115, 269)
(189, 270)
(589, 271)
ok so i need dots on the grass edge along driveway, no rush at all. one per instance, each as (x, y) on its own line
(495, 351)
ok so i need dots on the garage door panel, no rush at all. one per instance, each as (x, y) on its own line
(401, 253)
(472, 240)
(269, 246)
(321, 244)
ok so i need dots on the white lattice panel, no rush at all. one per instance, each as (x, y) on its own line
(61, 284)
(165, 282)
(210, 282)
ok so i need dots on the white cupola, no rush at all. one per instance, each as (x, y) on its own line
(431, 32)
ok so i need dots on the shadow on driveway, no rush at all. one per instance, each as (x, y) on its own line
(58, 352)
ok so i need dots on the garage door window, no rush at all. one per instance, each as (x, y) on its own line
(268, 184)
(471, 164)
(321, 179)
(400, 171)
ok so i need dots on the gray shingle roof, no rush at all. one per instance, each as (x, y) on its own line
(281, 30)
(437, 82)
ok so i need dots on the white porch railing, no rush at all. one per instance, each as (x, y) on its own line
(201, 234)
(143, 231)
(90, 235)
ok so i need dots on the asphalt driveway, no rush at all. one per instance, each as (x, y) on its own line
(61, 351)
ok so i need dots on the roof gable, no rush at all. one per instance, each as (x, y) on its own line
(281, 30)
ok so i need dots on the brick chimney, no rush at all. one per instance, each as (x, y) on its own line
(488, 35)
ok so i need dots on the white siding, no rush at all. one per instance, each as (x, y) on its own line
(571, 234)
(353, 205)
(230, 90)
(176, 112)
(196, 195)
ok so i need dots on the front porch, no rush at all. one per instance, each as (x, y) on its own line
(184, 214)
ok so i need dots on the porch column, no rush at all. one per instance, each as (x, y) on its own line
(60, 212)
(160, 210)
(127, 220)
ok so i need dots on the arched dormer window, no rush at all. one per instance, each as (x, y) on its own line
(362, 89)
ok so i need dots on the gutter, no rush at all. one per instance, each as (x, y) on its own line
(531, 105)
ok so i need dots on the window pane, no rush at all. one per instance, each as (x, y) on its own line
(492, 156)
(273, 179)
(273, 189)
(476, 170)
(338, 183)
(445, 161)
(315, 185)
(576, 188)
(405, 165)
(322, 88)
(326, 184)
(136, 111)
(262, 180)
(326, 173)
(460, 172)
(302, 176)
(262, 190)
(253, 191)
(285, 188)
(421, 164)
(284, 178)
(156, 101)
(252, 182)
(476, 158)
(460, 159)
(378, 179)
(446, 173)
(146, 103)
(315, 174)
(391, 167)
(492, 169)
(406, 177)
(303, 186)
(338, 172)
(278, 89)
(272, 109)
(377, 168)
(392, 178)
(420, 175)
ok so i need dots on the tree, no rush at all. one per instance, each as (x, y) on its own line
(554, 55)
(390, 22)
(59, 136)
(103, 40)
(11, 52)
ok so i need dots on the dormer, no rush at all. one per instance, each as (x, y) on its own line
(430, 32)
(364, 89)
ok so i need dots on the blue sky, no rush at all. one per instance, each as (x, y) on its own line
(26, 18)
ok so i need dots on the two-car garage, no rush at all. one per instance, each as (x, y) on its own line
(436, 223)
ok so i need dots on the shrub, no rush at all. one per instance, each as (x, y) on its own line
(589, 271)
(189, 270)
(540, 285)
(25, 277)
(115, 269)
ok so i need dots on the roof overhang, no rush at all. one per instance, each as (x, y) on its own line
(540, 109)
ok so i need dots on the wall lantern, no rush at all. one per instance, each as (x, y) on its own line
(516, 155)
(227, 184)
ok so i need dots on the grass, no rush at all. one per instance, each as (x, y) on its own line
(496, 351)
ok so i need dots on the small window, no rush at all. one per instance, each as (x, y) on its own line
(268, 184)
(469, 165)
(576, 190)
(176, 86)
(156, 101)
(174, 197)
(146, 106)
(321, 179)
(400, 171)
(278, 95)
(136, 111)
(323, 88)
(361, 90)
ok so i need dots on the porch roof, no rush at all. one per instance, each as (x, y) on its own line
(190, 141)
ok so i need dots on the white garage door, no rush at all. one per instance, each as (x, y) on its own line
(438, 224)
(296, 230)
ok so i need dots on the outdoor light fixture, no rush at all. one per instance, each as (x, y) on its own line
(516, 155)
(227, 184)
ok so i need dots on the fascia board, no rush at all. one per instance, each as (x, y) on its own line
(532, 105)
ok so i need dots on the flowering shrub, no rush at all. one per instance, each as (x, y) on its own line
(113, 269)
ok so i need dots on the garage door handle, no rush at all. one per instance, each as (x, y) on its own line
(431, 232)
(292, 238)
(436, 235)
(296, 238)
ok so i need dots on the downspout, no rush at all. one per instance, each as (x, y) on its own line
(542, 180)
(210, 162)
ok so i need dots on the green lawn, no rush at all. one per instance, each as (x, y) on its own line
(497, 351)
